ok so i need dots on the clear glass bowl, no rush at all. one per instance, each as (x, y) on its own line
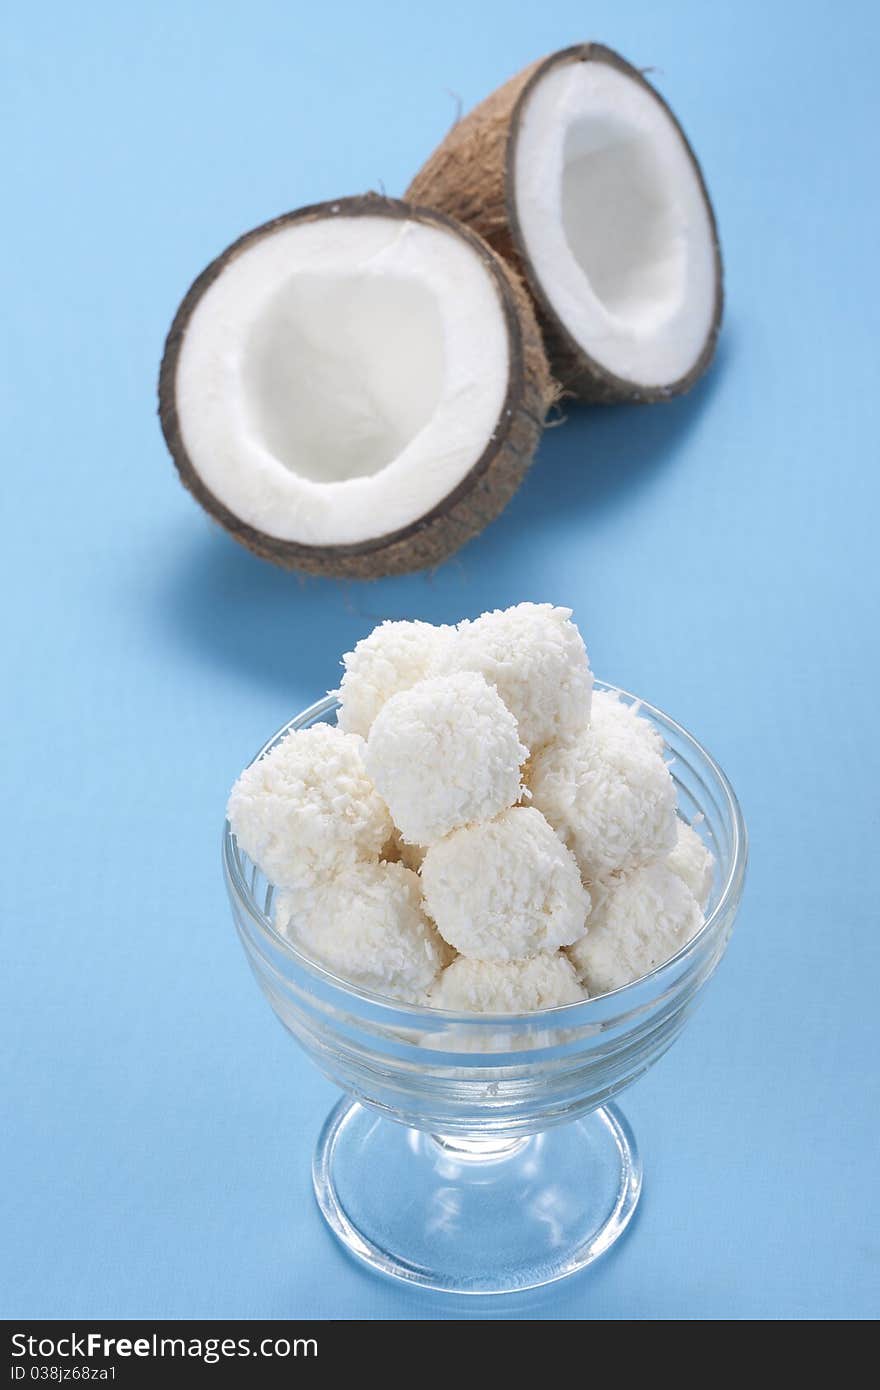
(480, 1154)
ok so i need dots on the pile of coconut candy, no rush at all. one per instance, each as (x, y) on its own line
(481, 831)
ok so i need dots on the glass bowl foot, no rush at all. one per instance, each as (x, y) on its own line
(476, 1216)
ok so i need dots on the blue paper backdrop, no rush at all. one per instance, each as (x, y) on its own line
(720, 553)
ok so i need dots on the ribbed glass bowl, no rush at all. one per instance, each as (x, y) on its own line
(479, 1154)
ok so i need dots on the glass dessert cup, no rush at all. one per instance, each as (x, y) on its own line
(481, 1153)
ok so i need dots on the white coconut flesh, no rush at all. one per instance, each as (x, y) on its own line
(342, 376)
(614, 222)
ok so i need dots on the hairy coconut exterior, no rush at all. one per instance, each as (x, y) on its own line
(471, 176)
(477, 499)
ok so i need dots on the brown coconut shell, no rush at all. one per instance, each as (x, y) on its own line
(471, 176)
(477, 499)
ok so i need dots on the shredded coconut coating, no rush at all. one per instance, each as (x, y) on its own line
(608, 794)
(507, 987)
(393, 657)
(506, 889)
(443, 754)
(612, 717)
(308, 809)
(638, 921)
(395, 838)
(535, 657)
(693, 861)
(368, 927)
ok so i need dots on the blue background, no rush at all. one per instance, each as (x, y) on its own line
(720, 553)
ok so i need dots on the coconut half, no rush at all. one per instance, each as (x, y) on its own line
(578, 172)
(355, 388)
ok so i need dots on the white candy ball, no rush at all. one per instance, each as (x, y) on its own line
(445, 753)
(505, 889)
(393, 657)
(535, 658)
(368, 927)
(608, 794)
(638, 921)
(693, 861)
(307, 809)
(506, 987)
(614, 719)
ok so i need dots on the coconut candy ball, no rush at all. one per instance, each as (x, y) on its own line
(535, 658)
(368, 927)
(693, 861)
(505, 889)
(614, 718)
(507, 987)
(638, 921)
(307, 809)
(444, 753)
(609, 795)
(393, 657)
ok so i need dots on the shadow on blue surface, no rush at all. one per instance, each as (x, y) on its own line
(256, 619)
(599, 455)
